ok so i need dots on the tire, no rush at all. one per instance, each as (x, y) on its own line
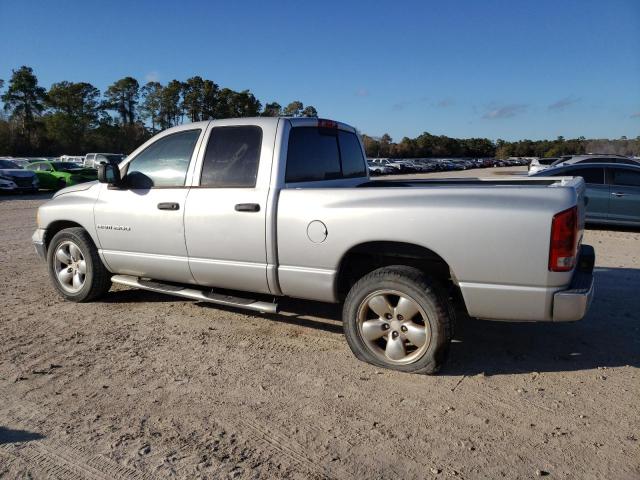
(382, 337)
(61, 184)
(74, 248)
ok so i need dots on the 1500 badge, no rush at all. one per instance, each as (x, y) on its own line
(122, 228)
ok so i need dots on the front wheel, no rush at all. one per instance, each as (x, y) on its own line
(398, 318)
(75, 267)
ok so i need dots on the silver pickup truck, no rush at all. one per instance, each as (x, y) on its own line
(284, 207)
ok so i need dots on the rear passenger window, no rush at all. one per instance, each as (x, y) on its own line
(590, 175)
(625, 177)
(351, 155)
(323, 154)
(312, 155)
(232, 157)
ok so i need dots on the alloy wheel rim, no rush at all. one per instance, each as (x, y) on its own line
(393, 326)
(69, 266)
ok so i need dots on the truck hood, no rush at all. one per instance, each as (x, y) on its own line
(75, 188)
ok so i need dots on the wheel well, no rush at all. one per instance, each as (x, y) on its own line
(367, 257)
(55, 227)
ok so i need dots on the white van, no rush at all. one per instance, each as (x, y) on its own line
(92, 160)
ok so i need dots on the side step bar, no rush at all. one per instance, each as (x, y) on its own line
(195, 294)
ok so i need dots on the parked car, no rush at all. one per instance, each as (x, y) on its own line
(385, 162)
(24, 180)
(208, 206)
(591, 158)
(539, 164)
(57, 175)
(7, 185)
(376, 169)
(92, 160)
(71, 158)
(613, 190)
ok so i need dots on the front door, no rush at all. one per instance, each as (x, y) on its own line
(140, 226)
(624, 204)
(226, 212)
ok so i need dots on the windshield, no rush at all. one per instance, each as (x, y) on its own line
(112, 159)
(65, 166)
(8, 164)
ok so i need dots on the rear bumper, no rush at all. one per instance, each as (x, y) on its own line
(518, 303)
(572, 304)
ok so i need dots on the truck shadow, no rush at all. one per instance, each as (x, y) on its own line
(609, 336)
(8, 436)
(614, 228)
(41, 195)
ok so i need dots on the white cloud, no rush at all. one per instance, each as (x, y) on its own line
(506, 111)
(563, 103)
(152, 77)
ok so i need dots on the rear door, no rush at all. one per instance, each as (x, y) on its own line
(624, 203)
(597, 190)
(226, 211)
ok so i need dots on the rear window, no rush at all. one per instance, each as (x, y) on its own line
(323, 154)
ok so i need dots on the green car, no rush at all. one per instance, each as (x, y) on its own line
(57, 175)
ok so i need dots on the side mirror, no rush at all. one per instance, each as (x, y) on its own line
(110, 174)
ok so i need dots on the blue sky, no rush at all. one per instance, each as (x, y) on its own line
(496, 69)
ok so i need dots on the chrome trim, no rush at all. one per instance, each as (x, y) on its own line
(38, 242)
(572, 305)
(193, 294)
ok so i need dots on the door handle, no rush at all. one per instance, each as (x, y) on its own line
(247, 207)
(619, 194)
(168, 206)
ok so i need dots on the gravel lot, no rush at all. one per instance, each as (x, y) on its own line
(141, 385)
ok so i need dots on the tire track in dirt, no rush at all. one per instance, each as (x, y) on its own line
(63, 460)
(54, 458)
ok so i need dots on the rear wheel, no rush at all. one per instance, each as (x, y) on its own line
(396, 317)
(75, 267)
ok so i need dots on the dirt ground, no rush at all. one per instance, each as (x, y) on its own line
(141, 385)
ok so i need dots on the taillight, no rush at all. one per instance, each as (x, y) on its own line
(564, 240)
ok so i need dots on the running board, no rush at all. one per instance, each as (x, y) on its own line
(195, 294)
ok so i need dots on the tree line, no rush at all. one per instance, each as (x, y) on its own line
(427, 145)
(75, 117)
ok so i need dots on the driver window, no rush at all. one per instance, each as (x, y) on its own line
(232, 157)
(164, 163)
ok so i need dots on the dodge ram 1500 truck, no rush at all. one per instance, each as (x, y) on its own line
(285, 207)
